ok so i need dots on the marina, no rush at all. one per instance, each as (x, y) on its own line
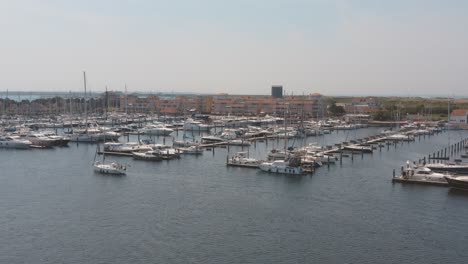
(183, 188)
(309, 157)
(227, 132)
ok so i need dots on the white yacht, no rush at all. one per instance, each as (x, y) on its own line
(91, 135)
(157, 130)
(311, 160)
(326, 159)
(239, 142)
(211, 139)
(276, 154)
(458, 182)
(193, 125)
(400, 137)
(452, 167)
(15, 143)
(415, 173)
(228, 134)
(192, 150)
(280, 166)
(58, 140)
(166, 152)
(39, 139)
(241, 159)
(184, 144)
(128, 147)
(151, 155)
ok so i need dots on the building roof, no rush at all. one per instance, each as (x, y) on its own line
(459, 112)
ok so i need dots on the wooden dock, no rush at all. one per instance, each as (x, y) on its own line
(112, 153)
(233, 164)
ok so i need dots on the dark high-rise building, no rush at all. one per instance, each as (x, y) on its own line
(277, 91)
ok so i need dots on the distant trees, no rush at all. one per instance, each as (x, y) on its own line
(382, 115)
(336, 110)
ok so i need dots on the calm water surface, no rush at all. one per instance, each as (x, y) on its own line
(55, 209)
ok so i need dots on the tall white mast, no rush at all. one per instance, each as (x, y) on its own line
(106, 105)
(285, 129)
(85, 106)
(126, 104)
(448, 120)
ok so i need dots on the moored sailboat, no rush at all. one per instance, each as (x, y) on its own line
(110, 168)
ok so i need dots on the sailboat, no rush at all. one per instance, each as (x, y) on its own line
(109, 168)
(283, 164)
(101, 166)
(113, 167)
(91, 134)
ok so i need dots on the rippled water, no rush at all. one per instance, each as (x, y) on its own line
(55, 209)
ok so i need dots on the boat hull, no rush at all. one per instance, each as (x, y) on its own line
(113, 171)
(457, 184)
(112, 168)
(9, 145)
(138, 156)
(157, 132)
(457, 170)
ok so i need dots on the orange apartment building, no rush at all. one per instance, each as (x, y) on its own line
(311, 105)
(224, 104)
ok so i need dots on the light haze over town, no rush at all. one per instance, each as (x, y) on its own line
(406, 48)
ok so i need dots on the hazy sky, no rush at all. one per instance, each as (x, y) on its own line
(240, 47)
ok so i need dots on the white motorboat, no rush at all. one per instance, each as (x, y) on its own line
(255, 132)
(39, 139)
(241, 159)
(238, 142)
(387, 132)
(15, 143)
(110, 168)
(280, 166)
(151, 155)
(91, 135)
(415, 173)
(311, 160)
(458, 182)
(452, 167)
(275, 154)
(193, 125)
(184, 144)
(400, 137)
(128, 147)
(166, 152)
(58, 140)
(195, 150)
(157, 130)
(228, 134)
(325, 159)
(211, 139)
